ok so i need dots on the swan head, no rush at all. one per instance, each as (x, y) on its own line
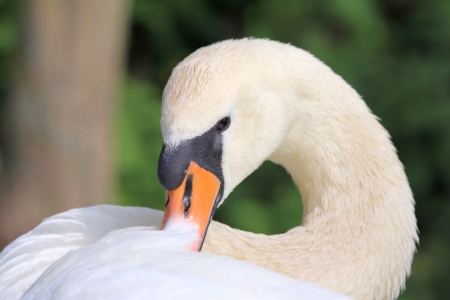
(220, 121)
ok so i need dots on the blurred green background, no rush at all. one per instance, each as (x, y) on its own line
(395, 53)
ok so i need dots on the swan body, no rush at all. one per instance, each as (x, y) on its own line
(230, 106)
(25, 259)
(113, 252)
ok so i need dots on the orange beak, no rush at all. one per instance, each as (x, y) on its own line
(194, 200)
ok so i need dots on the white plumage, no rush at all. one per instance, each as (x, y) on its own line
(113, 252)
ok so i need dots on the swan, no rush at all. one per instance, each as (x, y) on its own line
(226, 109)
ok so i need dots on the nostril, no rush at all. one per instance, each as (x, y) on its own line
(187, 195)
(167, 198)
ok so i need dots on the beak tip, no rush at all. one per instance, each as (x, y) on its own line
(186, 227)
(194, 202)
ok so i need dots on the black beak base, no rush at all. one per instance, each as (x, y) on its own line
(205, 150)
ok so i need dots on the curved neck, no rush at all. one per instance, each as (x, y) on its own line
(342, 160)
(359, 230)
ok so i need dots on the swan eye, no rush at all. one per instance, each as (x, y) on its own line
(223, 124)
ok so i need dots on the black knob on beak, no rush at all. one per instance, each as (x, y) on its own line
(173, 164)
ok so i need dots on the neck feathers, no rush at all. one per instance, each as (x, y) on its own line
(358, 232)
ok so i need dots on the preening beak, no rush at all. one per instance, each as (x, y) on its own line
(191, 173)
(194, 199)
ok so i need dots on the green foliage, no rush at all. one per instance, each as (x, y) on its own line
(138, 145)
(266, 202)
(9, 35)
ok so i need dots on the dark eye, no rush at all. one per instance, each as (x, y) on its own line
(223, 124)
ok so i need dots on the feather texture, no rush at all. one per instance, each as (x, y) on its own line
(110, 252)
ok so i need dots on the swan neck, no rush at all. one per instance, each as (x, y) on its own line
(336, 151)
(358, 230)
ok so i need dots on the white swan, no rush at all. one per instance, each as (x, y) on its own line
(227, 108)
